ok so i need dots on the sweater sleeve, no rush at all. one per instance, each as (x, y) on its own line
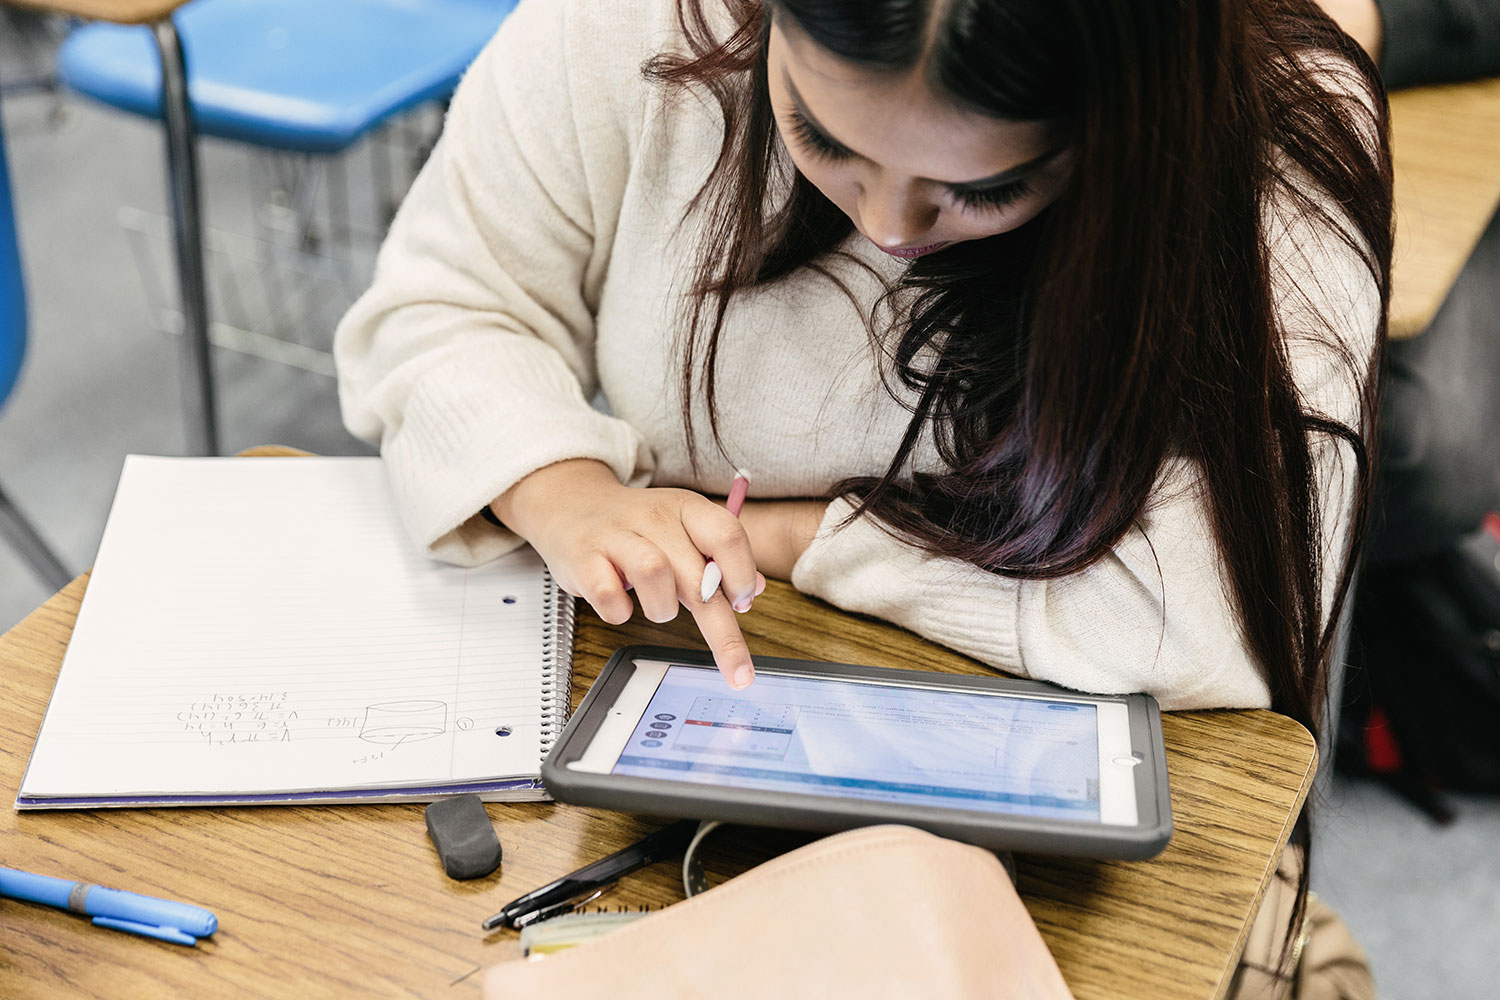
(470, 359)
(1155, 613)
(1435, 41)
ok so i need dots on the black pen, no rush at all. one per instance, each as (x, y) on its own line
(662, 844)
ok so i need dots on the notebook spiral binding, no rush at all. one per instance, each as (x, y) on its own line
(557, 660)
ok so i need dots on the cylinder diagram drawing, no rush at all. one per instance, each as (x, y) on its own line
(397, 722)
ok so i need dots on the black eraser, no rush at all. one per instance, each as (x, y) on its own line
(460, 830)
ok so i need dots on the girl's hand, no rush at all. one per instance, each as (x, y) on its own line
(601, 539)
(780, 531)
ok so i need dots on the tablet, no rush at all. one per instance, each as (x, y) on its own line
(1005, 764)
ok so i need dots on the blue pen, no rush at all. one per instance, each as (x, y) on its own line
(147, 916)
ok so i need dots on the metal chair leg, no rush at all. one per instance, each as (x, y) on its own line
(19, 532)
(187, 226)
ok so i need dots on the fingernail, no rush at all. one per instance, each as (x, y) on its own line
(743, 676)
(743, 605)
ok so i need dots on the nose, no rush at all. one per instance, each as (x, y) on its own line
(896, 214)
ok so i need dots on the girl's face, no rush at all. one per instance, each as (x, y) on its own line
(913, 171)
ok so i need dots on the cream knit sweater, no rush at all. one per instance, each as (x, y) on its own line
(541, 257)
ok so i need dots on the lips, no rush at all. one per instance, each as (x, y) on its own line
(909, 253)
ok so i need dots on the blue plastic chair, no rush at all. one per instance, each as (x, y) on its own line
(309, 76)
(16, 528)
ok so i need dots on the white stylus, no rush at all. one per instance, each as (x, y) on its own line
(712, 575)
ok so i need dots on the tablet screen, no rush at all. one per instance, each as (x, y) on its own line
(919, 745)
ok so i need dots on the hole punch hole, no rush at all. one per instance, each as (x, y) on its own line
(503, 730)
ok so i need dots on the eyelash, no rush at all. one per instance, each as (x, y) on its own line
(815, 141)
(994, 198)
(979, 199)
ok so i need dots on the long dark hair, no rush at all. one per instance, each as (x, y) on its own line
(1060, 364)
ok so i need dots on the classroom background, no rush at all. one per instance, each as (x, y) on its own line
(104, 378)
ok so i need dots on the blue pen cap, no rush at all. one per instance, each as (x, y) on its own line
(169, 934)
(120, 905)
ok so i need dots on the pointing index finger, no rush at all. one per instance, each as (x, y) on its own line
(721, 630)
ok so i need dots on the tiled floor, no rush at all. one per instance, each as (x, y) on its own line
(102, 382)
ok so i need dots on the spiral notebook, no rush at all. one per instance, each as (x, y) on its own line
(263, 631)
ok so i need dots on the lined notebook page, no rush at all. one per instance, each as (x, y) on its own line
(265, 625)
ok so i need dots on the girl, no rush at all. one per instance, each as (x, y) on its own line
(1047, 327)
(1062, 315)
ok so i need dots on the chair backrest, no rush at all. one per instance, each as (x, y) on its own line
(12, 290)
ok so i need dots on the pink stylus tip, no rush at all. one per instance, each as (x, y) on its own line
(737, 492)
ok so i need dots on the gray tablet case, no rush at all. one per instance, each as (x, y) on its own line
(1027, 834)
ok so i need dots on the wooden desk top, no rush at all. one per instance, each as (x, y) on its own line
(344, 901)
(1446, 147)
(120, 11)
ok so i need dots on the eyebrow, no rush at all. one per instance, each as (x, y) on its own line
(993, 180)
